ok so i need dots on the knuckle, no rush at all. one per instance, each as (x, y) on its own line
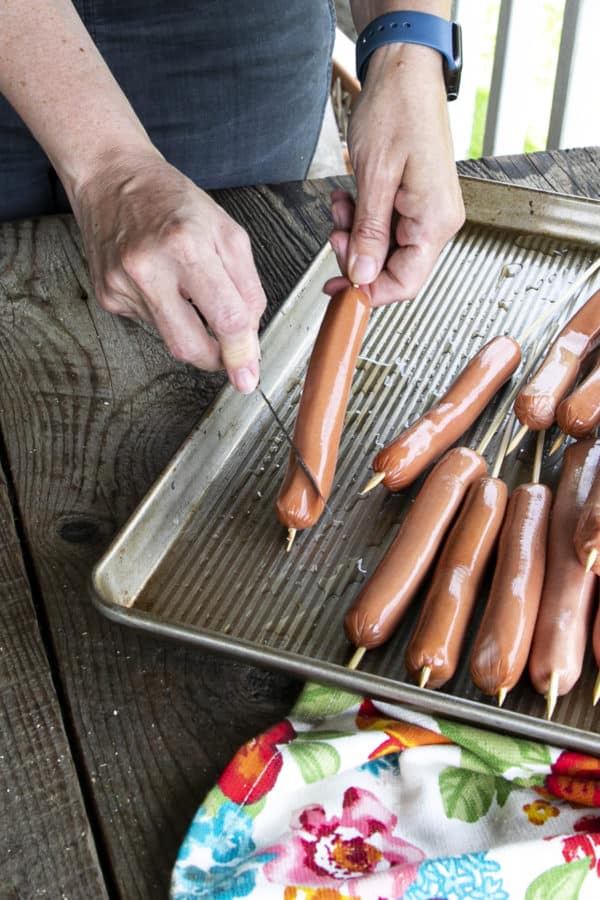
(136, 265)
(229, 319)
(179, 241)
(110, 303)
(370, 229)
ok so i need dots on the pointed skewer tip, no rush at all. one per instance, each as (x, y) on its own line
(517, 439)
(552, 695)
(502, 695)
(591, 560)
(372, 483)
(290, 539)
(424, 676)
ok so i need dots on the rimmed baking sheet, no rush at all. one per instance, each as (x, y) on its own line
(203, 558)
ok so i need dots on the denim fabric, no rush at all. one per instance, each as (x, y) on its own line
(232, 92)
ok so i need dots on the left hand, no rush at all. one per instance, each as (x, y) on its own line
(408, 202)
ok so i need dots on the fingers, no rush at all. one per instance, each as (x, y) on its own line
(233, 319)
(370, 235)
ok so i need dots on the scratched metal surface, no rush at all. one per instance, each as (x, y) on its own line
(202, 559)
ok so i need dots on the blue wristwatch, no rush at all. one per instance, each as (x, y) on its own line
(414, 28)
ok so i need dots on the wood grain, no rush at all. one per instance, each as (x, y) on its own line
(39, 785)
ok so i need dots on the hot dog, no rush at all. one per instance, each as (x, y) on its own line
(563, 620)
(382, 601)
(586, 539)
(322, 408)
(415, 449)
(439, 633)
(536, 404)
(579, 413)
(505, 633)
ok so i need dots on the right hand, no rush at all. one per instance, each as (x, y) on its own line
(159, 249)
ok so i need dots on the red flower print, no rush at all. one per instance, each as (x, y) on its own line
(333, 852)
(578, 846)
(399, 735)
(580, 791)
(576, 764)
(587, 823)
(254, 769)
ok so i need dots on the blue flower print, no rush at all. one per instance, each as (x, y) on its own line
(467, 877)
(388, 765)
(228, 833)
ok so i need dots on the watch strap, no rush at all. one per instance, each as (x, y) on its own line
(413, 28)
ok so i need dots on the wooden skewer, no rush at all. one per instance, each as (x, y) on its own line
(372, 483)
(539, 454)
(596, 692)
(562, 437)
(517, 439)
(424, 676)
(502, 695)
(290, 539)
(552, 695)
(591, 559)
(356, 657)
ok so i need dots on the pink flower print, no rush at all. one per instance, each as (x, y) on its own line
(359, 843)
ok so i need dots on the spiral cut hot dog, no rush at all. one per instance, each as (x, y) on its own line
(563, 620)
(537, 403)
(384, 598)
(402, 461)
(322, 408)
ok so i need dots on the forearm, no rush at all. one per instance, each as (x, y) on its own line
(53, 75)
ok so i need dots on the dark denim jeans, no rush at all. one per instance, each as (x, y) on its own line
(232, 92)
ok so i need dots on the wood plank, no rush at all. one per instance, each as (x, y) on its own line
(93, 408)
(46, 844)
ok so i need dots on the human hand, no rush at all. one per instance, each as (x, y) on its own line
(160, 250)
(408, 202)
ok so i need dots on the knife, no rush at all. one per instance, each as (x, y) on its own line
(295, 451)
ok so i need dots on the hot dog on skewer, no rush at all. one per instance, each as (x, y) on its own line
(505, 632)
(404, 459)
(384, 598)
(536, 404)
(434, 648)
(579, 413)
(586, 539)
(563, 621)
(322, 408)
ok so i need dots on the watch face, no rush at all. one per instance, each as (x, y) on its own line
(452, 72)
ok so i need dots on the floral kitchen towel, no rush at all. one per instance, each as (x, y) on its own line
(361, 799)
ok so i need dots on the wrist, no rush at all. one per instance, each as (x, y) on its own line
(417, 29)
(108, 162)
(406, 64)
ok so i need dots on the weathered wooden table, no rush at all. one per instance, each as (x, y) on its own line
(108, 738)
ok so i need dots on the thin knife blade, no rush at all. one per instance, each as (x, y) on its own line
(295, 451)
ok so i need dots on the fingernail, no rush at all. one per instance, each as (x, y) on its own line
(245, 381)
(362, 269)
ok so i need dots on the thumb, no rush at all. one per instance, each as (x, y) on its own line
(371, 229)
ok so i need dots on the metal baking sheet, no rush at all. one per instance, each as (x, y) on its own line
(203, 558)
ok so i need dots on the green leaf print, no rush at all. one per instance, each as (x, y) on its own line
(498, 751)
(213, 800)
(317, 702)
(466, 795)
(315, 760)
(560, 882)
(253, 809)
(504, 788)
